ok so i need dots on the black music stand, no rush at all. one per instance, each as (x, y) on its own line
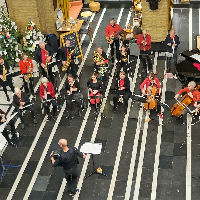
(93, 149)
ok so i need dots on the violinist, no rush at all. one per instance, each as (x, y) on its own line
(150, 82)
(192, 93)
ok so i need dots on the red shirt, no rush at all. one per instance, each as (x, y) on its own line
(50, 89)
(148, 40)
(147, 82)
(44, 55)
(195, 93)
(112, 30)
(24, 66)
(121, 83)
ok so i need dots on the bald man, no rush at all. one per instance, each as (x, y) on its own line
(172, 42)
(144, 42)
(68, 159)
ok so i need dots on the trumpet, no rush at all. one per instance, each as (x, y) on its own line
(68, 61)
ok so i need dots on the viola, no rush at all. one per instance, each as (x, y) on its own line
(151, 101)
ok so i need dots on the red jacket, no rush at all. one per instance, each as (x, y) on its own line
(23, 66)
(112, 30)
(50, 89)
(147, 82)
(195, 93)
(148, 40)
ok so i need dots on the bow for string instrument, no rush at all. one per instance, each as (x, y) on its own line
(151, 101)
(186, 100)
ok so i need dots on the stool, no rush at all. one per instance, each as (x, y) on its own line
(94, 6)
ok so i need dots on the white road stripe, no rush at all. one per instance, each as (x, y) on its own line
(121, 141)
(133, 157)
(155, 62)
(199, 21)
(83, 172)
(190, 29)
(141, 159)
(159, 135)
(188, 165)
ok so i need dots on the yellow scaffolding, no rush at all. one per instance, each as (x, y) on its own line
(64, 5)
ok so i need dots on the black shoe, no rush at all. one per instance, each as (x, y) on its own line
(72, 194)
(8, 99)
(11, 143)
(114, 109)
(22, 125)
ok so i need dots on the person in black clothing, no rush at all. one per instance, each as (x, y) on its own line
(72, 87)
(5, 80)
(20, 100)
(122, 58)
(65, 52)
(172, 42)
(5, 132)
(67, 158)
(122, 88)
(43, 56)
(95, 90)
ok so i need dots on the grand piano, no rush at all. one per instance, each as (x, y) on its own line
(186, 70)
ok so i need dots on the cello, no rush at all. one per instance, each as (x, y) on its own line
(151, 101)
(177, 108)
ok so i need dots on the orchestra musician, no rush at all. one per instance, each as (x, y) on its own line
(95, 90)
(122, 59)
(172, 42)
(68, 57)
(26, 68)
(72, 87)
(144, 42)
(47, 95)
(122, 89)
(21, 102)
(194, 94)
(151, 81)
(112, 31)
(4, 79)
(5, 132)
(43, 56)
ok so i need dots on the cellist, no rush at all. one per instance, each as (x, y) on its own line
(152, 80)
(194, 94)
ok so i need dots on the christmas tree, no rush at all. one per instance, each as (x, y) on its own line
(32, 38)
(9, 37)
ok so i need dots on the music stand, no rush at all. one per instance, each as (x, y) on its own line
(93, 149)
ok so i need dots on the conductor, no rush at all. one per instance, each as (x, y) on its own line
(67, 157)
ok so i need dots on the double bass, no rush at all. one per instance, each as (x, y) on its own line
(151, 101)
(186, 100)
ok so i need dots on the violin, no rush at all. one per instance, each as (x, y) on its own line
(177, 108)
(151, 98)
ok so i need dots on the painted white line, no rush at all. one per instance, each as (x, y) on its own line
(141, 159)
(121, 141)
(155, 62)
(190, 29)
(159, 135)
(188, 165)
(199, 21)
(133, 157)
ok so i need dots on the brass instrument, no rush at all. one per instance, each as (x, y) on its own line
(46, 64)
(98, 58)
(4, 73)
(29, 74)
(68, 61)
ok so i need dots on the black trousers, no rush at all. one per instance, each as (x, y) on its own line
(72, 69)
(48, 75)
(122, 65)
(9, 83)
(47, 106)
(71, 176)
(26, 87)
(169, 60)
(116, 43)
(126, 95)
(78, 99)
(146, 60)
(13, 130)
(20, 111)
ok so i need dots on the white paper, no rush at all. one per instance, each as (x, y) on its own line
(196, 57)
(91, 148)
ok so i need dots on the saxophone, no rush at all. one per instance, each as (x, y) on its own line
(29, 74)
(4, 73)
(68, 61)
(98, 58)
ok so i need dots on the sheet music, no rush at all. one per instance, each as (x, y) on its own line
(92, 148)
(196, 57)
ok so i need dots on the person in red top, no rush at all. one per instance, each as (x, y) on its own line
(113, 30)
(47, 95)
(26, 68)
(152, 80)
(194, 94)
(144, 42)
